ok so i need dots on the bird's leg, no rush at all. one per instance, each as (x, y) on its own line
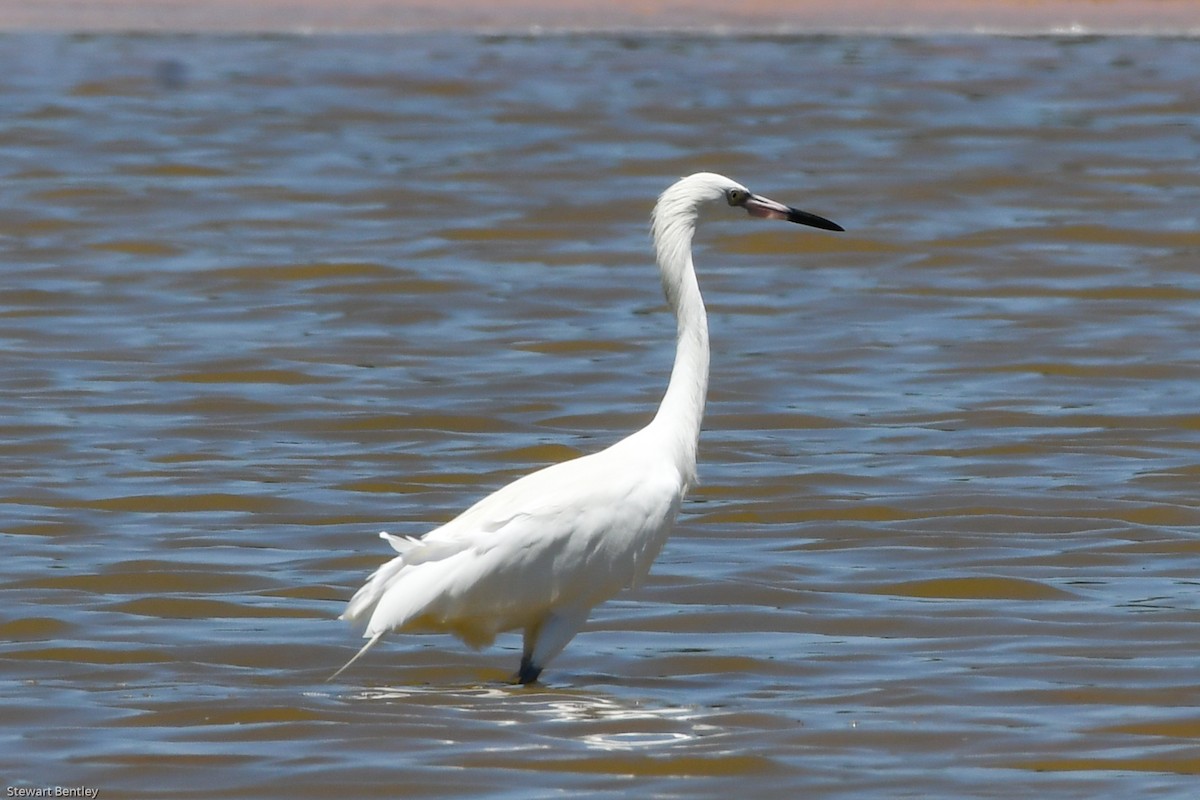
(528, 671)
(547, 638)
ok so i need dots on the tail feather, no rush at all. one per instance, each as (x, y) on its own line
(362, 605)
(374, 639)
(364, 609)
(411, 553)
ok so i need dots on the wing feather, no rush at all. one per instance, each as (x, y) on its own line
(575, 532)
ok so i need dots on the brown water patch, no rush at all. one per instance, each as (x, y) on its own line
(1183, 765)
(976, 588)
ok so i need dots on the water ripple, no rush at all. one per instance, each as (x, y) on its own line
(266, 296)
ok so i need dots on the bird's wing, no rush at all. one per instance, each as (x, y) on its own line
(598, 519)
(417, 550)
(580, 530)
(617, 487)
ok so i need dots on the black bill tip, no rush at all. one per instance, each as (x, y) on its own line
(812, 220)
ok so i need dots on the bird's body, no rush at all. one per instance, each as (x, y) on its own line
(538, 554)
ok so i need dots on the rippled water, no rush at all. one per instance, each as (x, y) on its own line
(263, 297)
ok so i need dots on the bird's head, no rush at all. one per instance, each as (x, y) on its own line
(684, 199)
(706, 187)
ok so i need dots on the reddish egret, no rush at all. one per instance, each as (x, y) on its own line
(540, 553)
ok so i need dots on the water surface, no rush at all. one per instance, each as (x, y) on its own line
(263, 297)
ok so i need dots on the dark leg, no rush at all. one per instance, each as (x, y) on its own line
(546, 638)
(528, 673)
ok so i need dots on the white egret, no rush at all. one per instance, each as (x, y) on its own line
(540, 553)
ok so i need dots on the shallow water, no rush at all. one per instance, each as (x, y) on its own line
(266, 296)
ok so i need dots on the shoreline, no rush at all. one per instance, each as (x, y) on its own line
(1012, 17)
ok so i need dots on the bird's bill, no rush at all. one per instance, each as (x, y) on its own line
(768, 209)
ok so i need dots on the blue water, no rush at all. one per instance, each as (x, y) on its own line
(264, 297)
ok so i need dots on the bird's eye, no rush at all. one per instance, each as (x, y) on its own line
(736, 196)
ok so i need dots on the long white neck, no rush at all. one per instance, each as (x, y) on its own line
(682, 408)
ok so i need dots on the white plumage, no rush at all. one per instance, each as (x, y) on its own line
(540, 553)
